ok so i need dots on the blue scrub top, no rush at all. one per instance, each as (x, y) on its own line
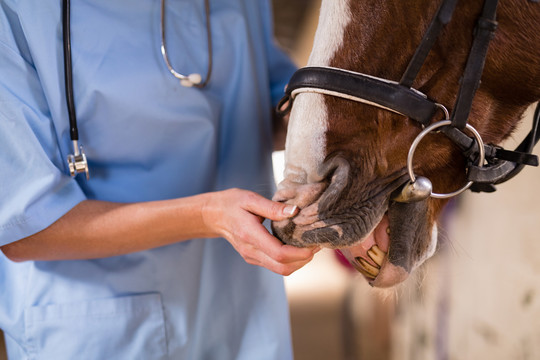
(146, 138)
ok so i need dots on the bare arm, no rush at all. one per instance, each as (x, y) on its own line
(95, 229)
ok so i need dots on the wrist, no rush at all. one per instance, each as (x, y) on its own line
(209, 213)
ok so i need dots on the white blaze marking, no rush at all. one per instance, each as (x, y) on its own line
(334, 17)
(306, 142)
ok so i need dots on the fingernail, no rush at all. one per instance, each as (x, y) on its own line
(290, 210)
(316, 250)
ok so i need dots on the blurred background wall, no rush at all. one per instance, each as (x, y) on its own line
(477, 298)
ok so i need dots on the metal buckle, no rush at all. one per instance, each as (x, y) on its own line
(410, 187)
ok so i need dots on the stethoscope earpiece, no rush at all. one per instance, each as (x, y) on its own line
(77, 161)
(191, 80)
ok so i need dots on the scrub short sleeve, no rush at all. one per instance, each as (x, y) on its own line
(34, 188)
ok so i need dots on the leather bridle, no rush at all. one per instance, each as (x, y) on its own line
(488, 165)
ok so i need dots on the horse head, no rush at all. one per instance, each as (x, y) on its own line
(346, 161)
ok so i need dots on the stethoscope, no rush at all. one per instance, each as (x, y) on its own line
(77, 161)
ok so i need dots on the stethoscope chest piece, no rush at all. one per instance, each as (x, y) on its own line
(77, 161)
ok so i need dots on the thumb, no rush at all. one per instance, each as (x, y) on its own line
(269, 209)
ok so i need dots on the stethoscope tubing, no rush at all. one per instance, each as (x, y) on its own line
(68, 70)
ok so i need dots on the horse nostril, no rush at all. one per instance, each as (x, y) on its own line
(337, 171)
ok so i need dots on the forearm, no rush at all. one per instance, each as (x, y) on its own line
(95, 229)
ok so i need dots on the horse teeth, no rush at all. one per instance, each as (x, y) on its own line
(376, 254)
(361, 269)
(370, 269)
(376, 258)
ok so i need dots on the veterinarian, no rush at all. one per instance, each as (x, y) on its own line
(156, 255)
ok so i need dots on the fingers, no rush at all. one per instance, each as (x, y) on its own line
(259, 247)
(279, 268)
(280, 252)
(238, 217)
(285, 268)
(269, 209)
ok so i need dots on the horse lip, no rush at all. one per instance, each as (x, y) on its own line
(389, 275)
(329, 200)
(407, 223)
(338, 177)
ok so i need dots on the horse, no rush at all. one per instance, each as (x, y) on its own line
(401, 107)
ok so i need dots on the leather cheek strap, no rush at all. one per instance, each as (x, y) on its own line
(361, 88)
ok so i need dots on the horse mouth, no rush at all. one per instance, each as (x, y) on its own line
(370, 255)
(398, 244)
(384, 240)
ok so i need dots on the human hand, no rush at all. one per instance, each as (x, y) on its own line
(237, 215)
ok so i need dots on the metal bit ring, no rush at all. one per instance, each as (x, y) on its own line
(426, 131)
